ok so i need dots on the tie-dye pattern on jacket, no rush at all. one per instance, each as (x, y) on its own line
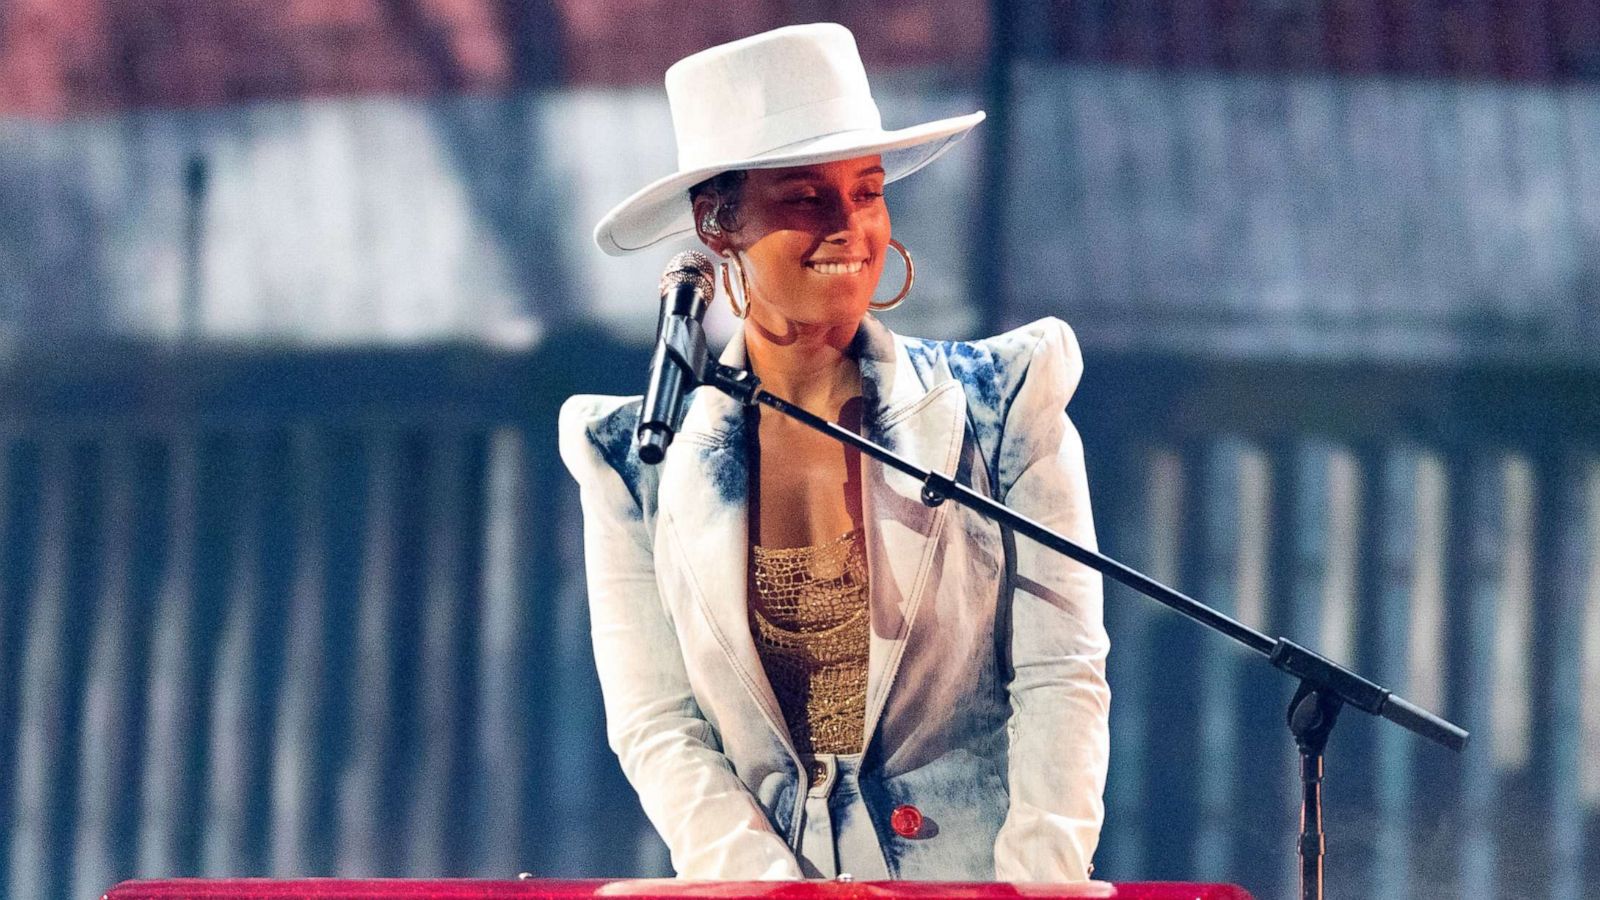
(987, 702)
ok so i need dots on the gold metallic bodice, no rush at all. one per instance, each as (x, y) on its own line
(808, 614)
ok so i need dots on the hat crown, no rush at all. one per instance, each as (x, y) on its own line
(747, 98)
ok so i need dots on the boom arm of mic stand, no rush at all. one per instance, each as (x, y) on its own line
(1325, 686)
(1317, 672)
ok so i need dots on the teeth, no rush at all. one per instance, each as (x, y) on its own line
(838, 268)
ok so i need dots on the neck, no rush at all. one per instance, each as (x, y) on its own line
(809, 365)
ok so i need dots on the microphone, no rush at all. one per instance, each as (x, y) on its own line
(680, 352)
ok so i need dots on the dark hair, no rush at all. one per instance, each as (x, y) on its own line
(725, 190)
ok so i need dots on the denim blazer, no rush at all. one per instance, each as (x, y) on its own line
(987, 703)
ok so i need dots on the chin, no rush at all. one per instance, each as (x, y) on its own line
(840, 311)
(845, 301)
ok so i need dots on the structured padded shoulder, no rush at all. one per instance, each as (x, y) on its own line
(992, 372)
(596, 433)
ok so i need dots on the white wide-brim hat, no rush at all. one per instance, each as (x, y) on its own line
(793, 96)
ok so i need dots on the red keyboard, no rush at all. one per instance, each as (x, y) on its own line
(652, 889)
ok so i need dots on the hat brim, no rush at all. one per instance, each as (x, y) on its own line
(661, 209)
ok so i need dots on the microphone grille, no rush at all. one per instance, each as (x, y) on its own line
(690, 266)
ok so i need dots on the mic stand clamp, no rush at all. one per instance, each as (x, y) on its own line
(685, 342)
(740, 384)
(936, 489)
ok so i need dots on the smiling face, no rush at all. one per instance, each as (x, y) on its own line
(812, 241)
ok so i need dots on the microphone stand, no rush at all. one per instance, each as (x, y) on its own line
(1325, 686)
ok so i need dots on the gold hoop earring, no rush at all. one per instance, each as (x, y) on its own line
(911, 276)
(741, 305)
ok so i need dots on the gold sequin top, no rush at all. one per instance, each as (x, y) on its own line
(808, 614)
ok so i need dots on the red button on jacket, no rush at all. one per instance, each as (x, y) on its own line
(906, 820)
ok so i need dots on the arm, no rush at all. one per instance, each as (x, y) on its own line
(710, 821)
(1060, 702)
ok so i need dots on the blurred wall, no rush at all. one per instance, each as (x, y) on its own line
(290, 580)
(1173, 197)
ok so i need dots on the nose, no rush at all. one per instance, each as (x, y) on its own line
(841, 223)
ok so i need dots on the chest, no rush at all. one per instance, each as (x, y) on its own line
(805, 486)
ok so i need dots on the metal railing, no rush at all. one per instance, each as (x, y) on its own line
(328, 618)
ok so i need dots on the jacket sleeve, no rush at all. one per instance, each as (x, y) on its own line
(712, 824)
(1060, 702)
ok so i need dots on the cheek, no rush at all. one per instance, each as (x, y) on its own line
(776, 259)
(875, 222)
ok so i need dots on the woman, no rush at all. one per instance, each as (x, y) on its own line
(807, 672)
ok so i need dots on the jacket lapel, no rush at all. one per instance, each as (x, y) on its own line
(924, 426)
(704, 501)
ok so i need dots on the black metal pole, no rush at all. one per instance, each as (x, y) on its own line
(1312, 714)
(1325, 686)
(937, 488)
(1337, 683)
(1312, 845)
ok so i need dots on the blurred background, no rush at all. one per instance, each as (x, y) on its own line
(290, 576)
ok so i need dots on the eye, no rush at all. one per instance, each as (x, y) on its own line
(804, 199)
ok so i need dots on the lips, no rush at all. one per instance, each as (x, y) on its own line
(836, 268)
